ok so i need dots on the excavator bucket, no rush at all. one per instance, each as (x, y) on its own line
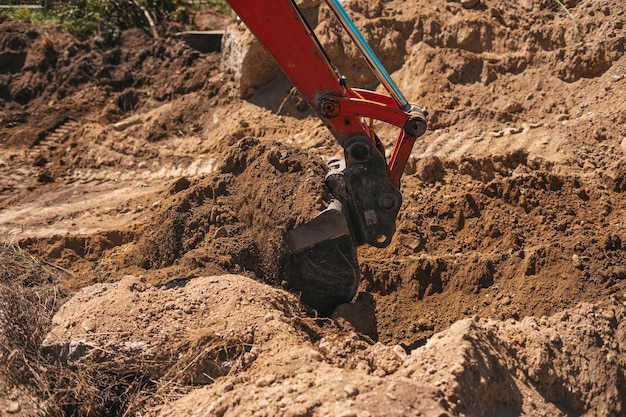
(323, 257)
(323, 265)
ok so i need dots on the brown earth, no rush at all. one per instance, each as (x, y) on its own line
(140, 171)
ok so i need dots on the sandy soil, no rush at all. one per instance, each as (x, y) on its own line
(166, 197)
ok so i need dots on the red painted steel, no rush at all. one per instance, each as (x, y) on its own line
(278, 25)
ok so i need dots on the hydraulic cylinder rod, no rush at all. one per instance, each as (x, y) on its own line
(368, 54)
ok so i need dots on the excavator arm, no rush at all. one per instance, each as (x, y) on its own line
(365, 185)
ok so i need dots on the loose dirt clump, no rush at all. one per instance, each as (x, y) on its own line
(162, 199)
(236, 219)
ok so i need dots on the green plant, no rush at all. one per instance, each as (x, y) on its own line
(104, 20)
(101, 20)
(220, 6)
(35, 16)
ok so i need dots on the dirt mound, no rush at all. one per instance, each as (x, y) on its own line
(188, 334)
(236, 219)
(60, 78)
(523, 238)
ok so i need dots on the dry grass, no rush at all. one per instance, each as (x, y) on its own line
(567, 13)
(197, 360)
(119, 384)
(29, 297)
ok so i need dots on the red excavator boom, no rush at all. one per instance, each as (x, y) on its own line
(366, 186)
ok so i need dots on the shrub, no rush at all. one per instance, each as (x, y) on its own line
(104, 20)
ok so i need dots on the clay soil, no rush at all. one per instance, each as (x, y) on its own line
(161, 199)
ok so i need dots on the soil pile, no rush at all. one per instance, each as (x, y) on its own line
(233, 331)
(141, 160)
